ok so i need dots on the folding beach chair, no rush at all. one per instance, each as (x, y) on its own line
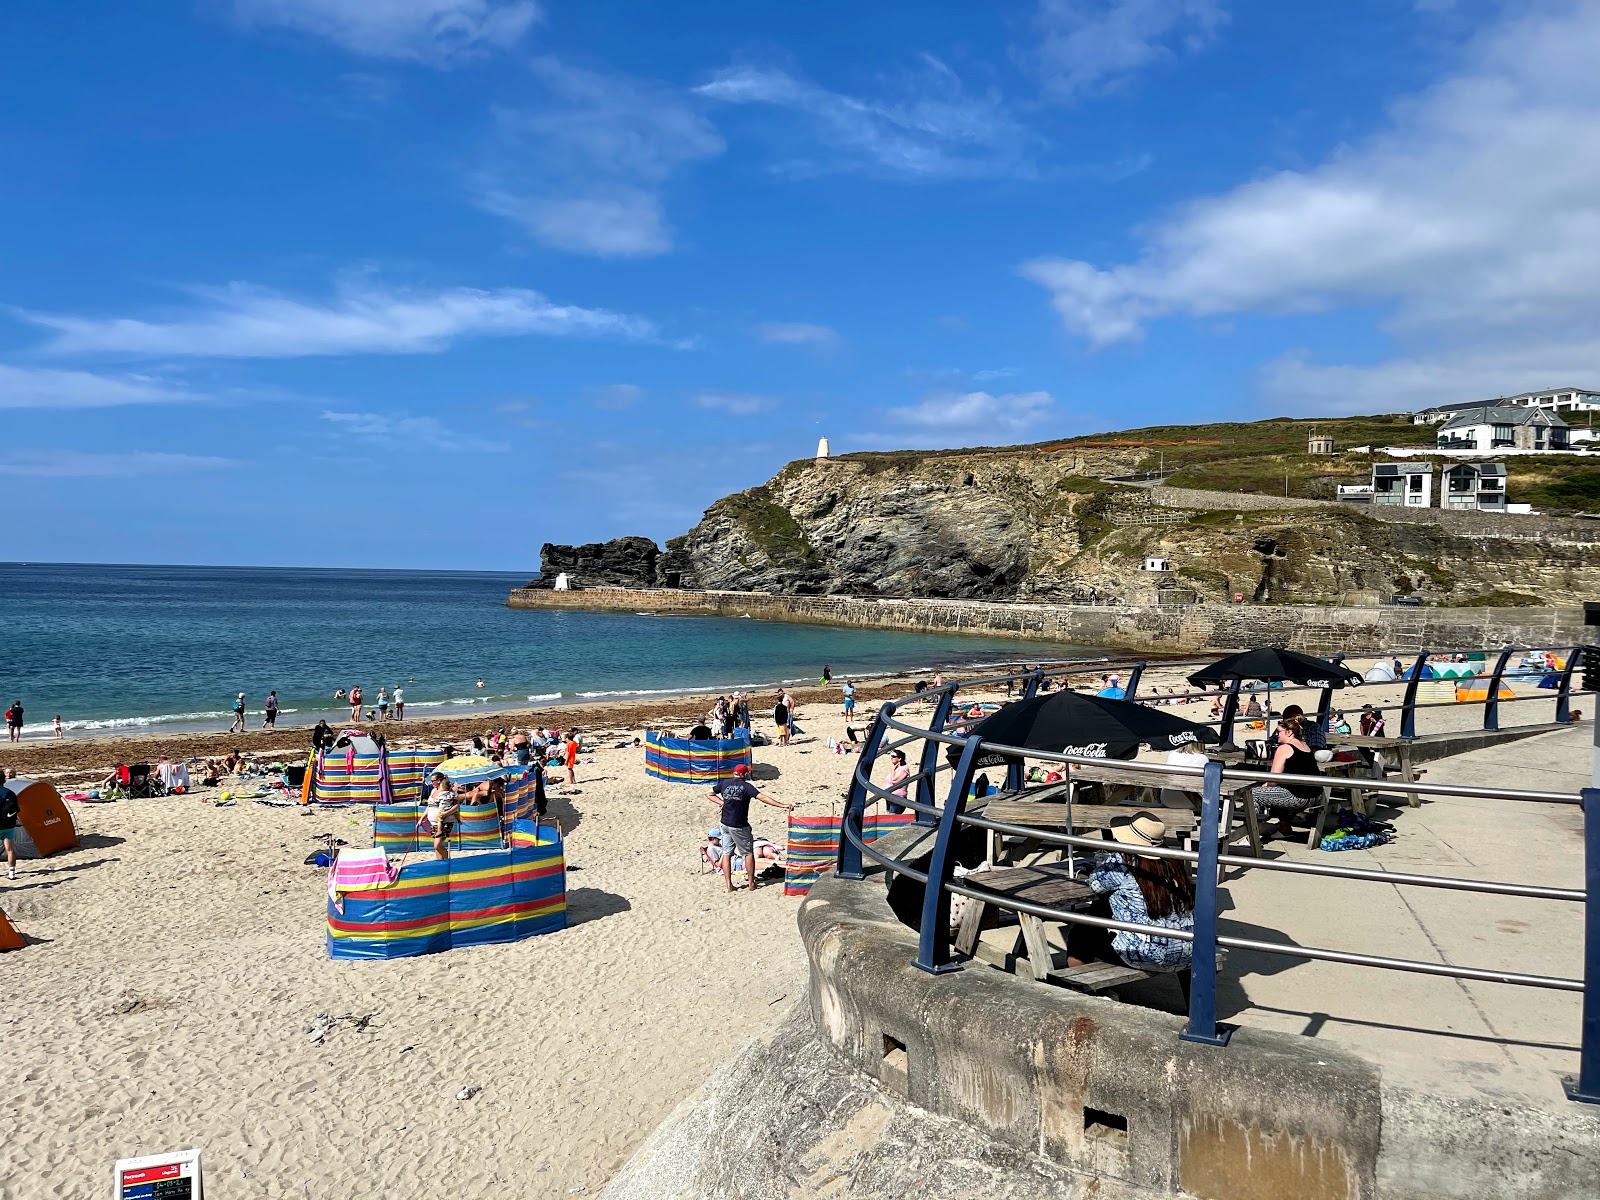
(144, 783)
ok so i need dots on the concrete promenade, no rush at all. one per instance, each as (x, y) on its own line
(1448, 1036)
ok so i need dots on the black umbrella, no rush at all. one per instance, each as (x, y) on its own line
(1273, 665)
(1088, 726)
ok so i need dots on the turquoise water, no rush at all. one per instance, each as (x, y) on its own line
(116, 648)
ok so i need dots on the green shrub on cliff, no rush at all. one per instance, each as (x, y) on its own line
(770, 526)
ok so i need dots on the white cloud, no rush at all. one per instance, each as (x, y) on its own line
(243, 321)
(76, 464)
(402, 431)
(950, 418)
(436, 31)
(1471, 220)
(584, 171)
(926, 127)
(1089, 45)
(45, 387)
(614, 397)
(798, 333)
(740, 404)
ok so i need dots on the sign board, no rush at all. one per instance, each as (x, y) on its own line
(172, 1176)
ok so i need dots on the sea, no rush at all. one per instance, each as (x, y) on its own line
(124, 649)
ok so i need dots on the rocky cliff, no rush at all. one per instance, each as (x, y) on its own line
(1043, 523)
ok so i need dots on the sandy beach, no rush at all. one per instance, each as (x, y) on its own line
(176, 962)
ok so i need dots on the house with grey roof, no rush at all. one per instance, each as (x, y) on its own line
(1563, 401)
(1490, 427)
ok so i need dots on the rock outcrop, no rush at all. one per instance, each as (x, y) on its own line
(621, 562)
(1033, 523)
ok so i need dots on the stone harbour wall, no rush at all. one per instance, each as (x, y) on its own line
(1169, 628)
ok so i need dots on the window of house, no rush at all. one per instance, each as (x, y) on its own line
(1502, 433)
(1416, 483)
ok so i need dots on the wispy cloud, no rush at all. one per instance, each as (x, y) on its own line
(740, 404)
(244, 321)
(46, 387)
(614, 397)
(77, 464)
(1472, 219)
(433, 31)
(924, 126)
(798, 333)
(402, 431)
(584, 169)
(950, 418)
(1090, 45)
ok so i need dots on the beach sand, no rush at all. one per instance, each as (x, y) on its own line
(177, 960)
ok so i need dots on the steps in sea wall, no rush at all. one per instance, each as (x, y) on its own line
(1312, 628)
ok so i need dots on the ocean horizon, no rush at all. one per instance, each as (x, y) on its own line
(129, 648)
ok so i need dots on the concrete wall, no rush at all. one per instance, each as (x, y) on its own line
(1168, 628)
(1268, 1117)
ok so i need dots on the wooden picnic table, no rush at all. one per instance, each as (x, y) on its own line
(1052, 888)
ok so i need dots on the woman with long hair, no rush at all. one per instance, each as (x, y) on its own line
(1141, 890)
(1293, 756)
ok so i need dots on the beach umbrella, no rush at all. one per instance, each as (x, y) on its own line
(1112, 693)
(1271, 664)
(474, 768)
(1089, 726)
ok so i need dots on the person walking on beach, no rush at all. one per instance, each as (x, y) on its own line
(849, 699)
(10, 816)
(355, 703)
(383, 703)
(737, 837)
(827, 674)
(238, 715)
(570, 757)
(14, 721)
(269, 719)
(58, 726)
(780, 718)
(399, 703)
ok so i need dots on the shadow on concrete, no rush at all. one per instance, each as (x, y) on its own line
(593, 904)
(1316, 1022)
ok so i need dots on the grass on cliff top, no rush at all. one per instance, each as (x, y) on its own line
(1256, 456)
(770, 526)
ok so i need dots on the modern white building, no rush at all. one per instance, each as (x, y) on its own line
(1565, 401)
(1406, 484)
(1473, 486)
(1501, 427)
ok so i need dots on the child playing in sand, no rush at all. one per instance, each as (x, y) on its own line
(58, 726)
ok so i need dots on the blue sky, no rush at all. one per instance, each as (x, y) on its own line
(426, 283)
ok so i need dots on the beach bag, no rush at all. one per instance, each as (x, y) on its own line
(10, 806)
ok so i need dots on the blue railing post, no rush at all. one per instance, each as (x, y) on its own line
(1325, 701)
(1586, 1085)
(1132, 690)
(1564, 696)
(848, 864)
(1202, 1026)
(927, 786)
(1408, 710)
(1230, 710)
(933, 941)
(1031, 688)
(1491, 705)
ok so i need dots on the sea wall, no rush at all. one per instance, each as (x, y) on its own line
(1317, 630)
(895, 1082)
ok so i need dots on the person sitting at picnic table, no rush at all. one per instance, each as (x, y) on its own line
(1291, 756)
(1314, 736)
(1141, 890)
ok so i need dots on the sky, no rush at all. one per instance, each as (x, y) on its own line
(427, 283)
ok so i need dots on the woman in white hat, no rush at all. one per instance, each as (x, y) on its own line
(1143, 890)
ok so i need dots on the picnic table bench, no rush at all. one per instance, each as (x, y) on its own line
(1051, 886)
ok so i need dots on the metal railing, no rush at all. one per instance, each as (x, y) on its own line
(943, 733)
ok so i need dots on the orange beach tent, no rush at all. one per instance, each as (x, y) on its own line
(1478, 689)
(10, 939)
(45, 818)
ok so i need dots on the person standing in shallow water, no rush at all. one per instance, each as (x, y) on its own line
(269, 719)
(827, 675)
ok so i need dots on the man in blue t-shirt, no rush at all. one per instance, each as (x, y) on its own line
(737, 837)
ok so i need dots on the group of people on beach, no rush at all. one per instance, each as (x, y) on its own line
(388, 703)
